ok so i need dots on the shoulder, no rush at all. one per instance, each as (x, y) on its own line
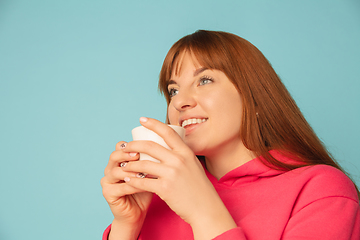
(328, 196)
(323, 181)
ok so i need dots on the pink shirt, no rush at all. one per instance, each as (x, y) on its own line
(315, 202)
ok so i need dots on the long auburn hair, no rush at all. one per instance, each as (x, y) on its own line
(271, 118)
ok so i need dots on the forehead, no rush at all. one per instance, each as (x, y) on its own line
(184, 58)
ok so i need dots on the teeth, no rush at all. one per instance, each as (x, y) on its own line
(192, 121)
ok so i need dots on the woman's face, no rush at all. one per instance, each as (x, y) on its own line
(207, 105)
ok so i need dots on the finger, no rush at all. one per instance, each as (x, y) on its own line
(151, 168)
(117, 175)
(112, 192)
(142, 184)
(120, 145)
(153, 149)
(171, 138)
(118, 157)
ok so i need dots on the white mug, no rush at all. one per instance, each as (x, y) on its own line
(142, 133)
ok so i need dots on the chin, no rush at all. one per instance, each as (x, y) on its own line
(195, 148)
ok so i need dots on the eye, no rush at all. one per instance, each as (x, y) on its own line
(205, 80)
(173, 92)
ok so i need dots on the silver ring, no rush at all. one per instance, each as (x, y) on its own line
(123, 164)
(141, 175)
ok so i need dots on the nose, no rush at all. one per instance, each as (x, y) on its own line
(184, 100)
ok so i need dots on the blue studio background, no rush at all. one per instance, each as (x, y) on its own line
(75, 76)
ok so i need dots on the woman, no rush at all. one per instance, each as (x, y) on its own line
(250, 166)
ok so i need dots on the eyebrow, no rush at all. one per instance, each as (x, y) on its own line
(197, 72)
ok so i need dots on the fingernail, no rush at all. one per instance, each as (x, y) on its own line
(133, 154)
(143, 119)
(126, 179)
(140, 175)
(122, 146)
(123, 164)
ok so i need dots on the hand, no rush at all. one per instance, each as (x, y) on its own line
(180, 180)
(127, 203)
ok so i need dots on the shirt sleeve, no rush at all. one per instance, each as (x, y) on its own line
(106, 233)
(235, 233)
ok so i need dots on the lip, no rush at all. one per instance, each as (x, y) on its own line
(191, 128)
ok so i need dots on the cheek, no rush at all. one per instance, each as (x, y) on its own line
(229, 109)
(228, 103)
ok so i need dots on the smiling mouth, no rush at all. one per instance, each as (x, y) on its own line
(192, 121)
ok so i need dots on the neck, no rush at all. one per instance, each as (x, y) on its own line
(228, 158)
